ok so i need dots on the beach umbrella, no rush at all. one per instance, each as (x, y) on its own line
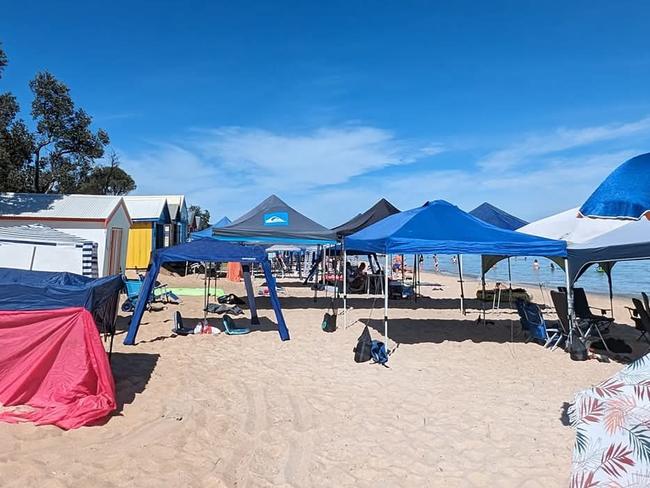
(612, 426)
(624, 194)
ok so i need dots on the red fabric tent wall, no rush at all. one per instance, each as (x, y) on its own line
(53, 368)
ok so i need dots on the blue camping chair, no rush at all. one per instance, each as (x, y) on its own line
(159, 294)
(231, 328)
(535, 327)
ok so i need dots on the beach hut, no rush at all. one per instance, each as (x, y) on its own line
(150, 229)
(101, 219)
(53, 360)
(211, 250)
(612, 423)
(439, 227)
(495, 216)
(40, 248)
(179, 219)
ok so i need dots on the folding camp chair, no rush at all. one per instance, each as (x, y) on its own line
(535, 327)
(583, 310)
(231, 328)
(562, 310)
(639, 314)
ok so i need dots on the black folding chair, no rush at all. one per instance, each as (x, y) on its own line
(641, 318)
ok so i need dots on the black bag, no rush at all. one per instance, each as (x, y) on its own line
(329, 319)
(577, 350)
(362, 352)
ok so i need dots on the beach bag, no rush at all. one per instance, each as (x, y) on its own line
(378, 352)
(329, 319)
(362, 350)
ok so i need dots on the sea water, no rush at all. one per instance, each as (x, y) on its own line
(628, 278)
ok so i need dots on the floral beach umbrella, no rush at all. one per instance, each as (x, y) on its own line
(612, 422)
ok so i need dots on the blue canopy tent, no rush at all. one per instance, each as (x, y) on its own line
(624, 194)
(209, 250)
(495, 216)
(438, 227)
(207, 233)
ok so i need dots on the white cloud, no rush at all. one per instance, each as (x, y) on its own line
(562, 139)
(230, 169)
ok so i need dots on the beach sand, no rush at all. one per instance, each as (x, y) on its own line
(459, 405)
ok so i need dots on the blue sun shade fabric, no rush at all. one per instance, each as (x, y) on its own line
(206, 250)
(439, 227)
(624, 194)
(45, 290)
(207, 233)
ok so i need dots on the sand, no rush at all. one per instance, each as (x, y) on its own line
(460, 405)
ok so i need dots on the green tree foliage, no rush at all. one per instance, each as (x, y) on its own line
(204, 216)
(108, 180)
(60, 154)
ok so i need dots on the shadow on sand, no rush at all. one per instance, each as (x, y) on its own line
(132, 372)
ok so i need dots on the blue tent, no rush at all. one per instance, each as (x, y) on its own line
(207, 233)
(495, 216)
(439, 227)
(624, 194)
(209, 250)
(45, 290)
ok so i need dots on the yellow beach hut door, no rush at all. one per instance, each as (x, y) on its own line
(139, 249)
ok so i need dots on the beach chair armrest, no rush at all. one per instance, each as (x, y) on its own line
(603, 311)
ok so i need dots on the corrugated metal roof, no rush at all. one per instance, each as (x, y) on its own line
(145, 207)
(40, 205)
(36, 233)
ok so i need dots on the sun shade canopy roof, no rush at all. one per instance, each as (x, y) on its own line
(495, 216)
(438, 227)
(206, 250)
(276, 222)
(624, 194)
(380, 210)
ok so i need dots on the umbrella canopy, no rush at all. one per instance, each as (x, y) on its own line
(439, 227)
(495, 216)
(380, 210)
(275, 221)
(624, 194)
(612, 445)
(570, 227)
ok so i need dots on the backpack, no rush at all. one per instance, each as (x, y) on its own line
(378, 352)
(329, 320)
(362, 350)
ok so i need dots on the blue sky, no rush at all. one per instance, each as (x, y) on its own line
(333, 105)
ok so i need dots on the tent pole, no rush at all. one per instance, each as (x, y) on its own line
(569, 298)
(460, 274)
(483, 292)
(250, 293)
(415, 277)
(611, 292)
(509, 282)
(401, 258)
(345, 286)
(316, 274)
(386, 301)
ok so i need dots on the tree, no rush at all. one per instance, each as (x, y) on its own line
(108, 180)
(65, 147)
(16, 142)
(203, 215)
(60, 154)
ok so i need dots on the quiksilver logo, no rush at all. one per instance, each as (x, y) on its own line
(275, 220)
